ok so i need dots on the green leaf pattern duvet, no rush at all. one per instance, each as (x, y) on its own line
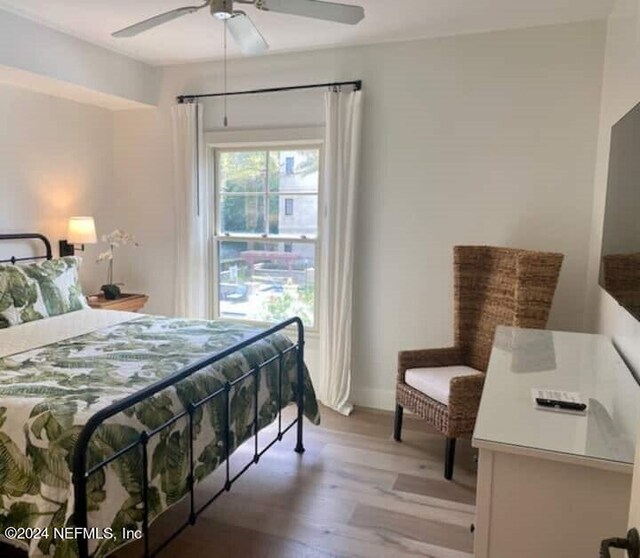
(47, 395)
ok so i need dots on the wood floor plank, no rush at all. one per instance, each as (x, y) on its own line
(414, 443)
(339, 537)
(409, 526)
(231, 540)
(440, 488)
(427, 466)
(362, 483)
(335, 502)
(371, 422)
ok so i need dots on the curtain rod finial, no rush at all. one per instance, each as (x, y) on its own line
(185, 99)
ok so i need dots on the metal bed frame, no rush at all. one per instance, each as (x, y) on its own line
(82, 473)
(29, 236)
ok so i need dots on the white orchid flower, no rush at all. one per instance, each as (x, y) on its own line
(114, 239)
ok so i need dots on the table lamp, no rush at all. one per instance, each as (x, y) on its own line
(80, 231)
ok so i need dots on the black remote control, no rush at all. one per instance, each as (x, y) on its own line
(554, 403)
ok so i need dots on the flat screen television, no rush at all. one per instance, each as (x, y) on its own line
(620, 261)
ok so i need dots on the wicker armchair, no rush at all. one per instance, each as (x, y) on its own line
(493, 286)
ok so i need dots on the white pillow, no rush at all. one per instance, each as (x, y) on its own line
(39, 290)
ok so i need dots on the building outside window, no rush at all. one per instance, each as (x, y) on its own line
(265, 251)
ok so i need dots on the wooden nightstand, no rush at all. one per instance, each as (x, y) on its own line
(125, 303)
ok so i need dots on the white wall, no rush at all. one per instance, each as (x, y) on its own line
(620, 93)
(486, 138)
(45, 52)
(56, 160)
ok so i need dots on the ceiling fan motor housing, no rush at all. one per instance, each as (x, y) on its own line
(222, 9)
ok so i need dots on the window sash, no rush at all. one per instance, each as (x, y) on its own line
(266, 192)
(218, 236)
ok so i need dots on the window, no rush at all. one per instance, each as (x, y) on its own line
(288, 207)
(290, 163)
(265, 251)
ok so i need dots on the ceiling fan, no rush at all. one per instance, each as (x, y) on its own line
(240, 26)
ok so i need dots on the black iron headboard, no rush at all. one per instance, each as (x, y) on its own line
(28, 236)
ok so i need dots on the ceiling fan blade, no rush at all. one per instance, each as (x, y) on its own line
(331, 11)
(152, 22)
(246, 35)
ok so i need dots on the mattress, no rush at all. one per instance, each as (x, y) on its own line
(58, 372)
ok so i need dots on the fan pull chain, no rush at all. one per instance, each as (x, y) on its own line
(226, 118)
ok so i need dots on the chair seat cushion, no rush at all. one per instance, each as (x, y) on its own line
(434, 382)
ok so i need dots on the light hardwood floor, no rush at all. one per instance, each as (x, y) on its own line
(355, 492)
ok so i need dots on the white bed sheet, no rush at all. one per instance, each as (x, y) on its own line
(25, 337)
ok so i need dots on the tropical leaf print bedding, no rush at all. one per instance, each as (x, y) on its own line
(30, 292)
(48, 394)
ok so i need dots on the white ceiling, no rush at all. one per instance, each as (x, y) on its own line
(199, 36)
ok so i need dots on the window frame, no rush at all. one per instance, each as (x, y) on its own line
(261, 140)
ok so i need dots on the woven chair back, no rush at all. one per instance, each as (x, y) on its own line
(499, 286)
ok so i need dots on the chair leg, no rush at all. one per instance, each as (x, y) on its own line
(449, 458)
(397, 427)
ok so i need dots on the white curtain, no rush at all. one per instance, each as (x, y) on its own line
(192, 270)
(342, 161)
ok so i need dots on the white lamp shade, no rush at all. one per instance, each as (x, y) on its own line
(81, 230)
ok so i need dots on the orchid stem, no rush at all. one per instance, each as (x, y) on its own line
(110, 276)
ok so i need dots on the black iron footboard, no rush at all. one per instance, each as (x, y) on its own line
(81, 473)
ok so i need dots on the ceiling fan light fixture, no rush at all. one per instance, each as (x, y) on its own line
(239, 24)
(223, 15)
(222, 9)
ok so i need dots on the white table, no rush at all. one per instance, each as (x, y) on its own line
(550, 483)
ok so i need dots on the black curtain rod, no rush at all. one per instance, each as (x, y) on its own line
(356, 84)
